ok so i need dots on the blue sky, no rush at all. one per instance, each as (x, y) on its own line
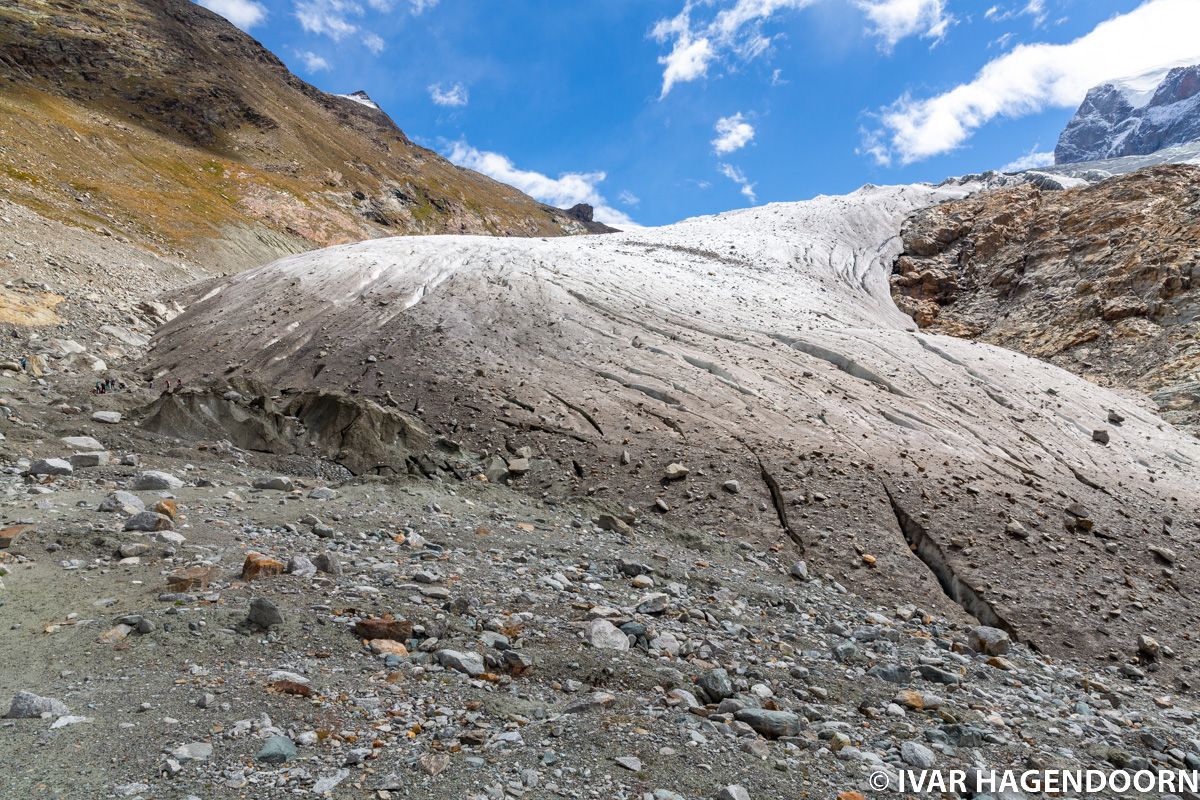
(657, 110)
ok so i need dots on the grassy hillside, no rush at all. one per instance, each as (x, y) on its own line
(159, 121)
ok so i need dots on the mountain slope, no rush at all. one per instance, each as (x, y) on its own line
(1100, 280)
(160, 121)
(760, 350)
(1134, 116)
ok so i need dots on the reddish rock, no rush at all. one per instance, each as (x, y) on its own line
(9, 535)
(185, 580)
(168, 508)
(398, 630)
(258, 565)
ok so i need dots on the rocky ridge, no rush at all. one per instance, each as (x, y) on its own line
(1099, 280)
(1135, 116)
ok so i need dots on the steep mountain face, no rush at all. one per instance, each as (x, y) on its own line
(1102, 280)
(159, 121)
(1136, 116)
(745, 374)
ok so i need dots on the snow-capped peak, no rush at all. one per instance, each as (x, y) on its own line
(362, 98)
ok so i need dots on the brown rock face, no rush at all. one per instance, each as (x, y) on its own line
(1101, 280)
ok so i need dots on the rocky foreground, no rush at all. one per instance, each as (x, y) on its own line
(693, 513)
(190, 620)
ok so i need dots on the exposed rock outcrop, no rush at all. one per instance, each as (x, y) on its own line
(1103, 281)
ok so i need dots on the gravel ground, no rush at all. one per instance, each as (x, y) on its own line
(540, 649)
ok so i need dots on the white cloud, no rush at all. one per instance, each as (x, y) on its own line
(893, 20)
(374, 42)
(737, 176)
(687, 61)
(338, 19)
(313, 62)
(735, 29)
(328, 17)
(1031, 78)
(628, 198)
(1031, 160)
(415, 6)
(733, 133)
(564, 191)
(1033, 8)
(455, 97)
(243, 13)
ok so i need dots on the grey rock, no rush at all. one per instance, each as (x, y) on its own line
(938, 675)
(989, 641)
(194, 751)
(917, 755)
(153, 480)
(107, 417)
(675, 472)
(149, 521)
(277, 750)
(327, 563)
(82, 444)
(590, 702)
(133, 549)
(733, 792)
(655, 603)
(604, 635)
(86, 460)
(264, 613)
(122, 503)
(716, 684)
(469, 663)
(771, 724)
(326, 784)
(279, 483)
(27, 705)
(892, 673)
(495, 469)
(299, 565)
(51, 466)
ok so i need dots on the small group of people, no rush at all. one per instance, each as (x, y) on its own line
(109, 386)
(168, 385)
